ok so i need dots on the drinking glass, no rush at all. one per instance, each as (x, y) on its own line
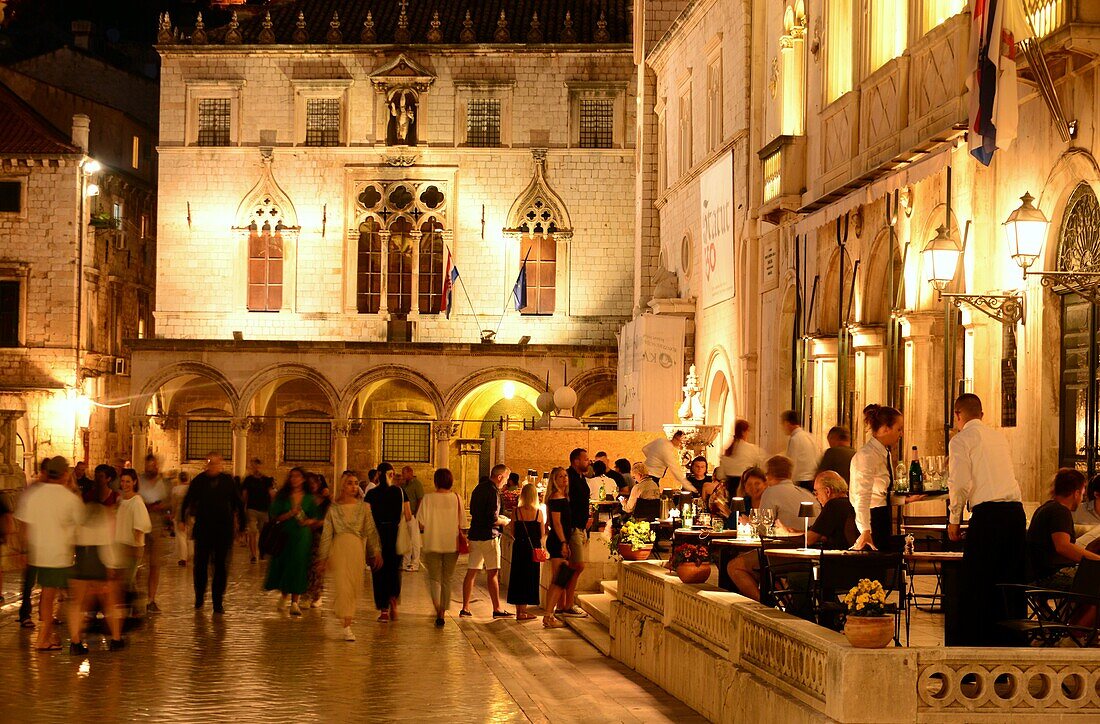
(767, 518)
(754, 520)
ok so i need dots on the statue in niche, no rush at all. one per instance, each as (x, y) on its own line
(402, 125)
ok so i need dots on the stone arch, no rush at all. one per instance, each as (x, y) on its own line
(388, 372)
(719, 388)
(179, 369)
(457, 394)
(873, 287)
(591, 387)
(830, 295)
(539, 209)
(278, 372)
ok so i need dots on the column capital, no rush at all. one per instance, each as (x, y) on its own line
(138, 425)
(445, 430)
(341, 428)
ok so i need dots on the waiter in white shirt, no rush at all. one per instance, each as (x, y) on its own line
(995, 552)
(801, 448)
(662, 456)
(872, 473)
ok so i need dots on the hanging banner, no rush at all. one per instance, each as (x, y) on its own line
(651, 370)
(716, 223)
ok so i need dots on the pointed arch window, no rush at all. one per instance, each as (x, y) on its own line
(265, 267)
(541, 253)
(368, 276)
(268, 233)
(432, 251)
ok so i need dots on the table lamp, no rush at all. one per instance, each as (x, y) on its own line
(805, 511)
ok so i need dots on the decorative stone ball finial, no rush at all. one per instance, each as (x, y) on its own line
(568, 35)
(335, 36)
(565, 398)
(602, 36)
(534, 34)
(301, 35)
(545, 401)
(467, 35)
(502, 35)
(368, 34)
(435, 35)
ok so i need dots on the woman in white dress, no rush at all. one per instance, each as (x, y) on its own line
(740, 455)
(347, 538)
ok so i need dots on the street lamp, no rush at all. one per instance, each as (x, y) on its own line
(1026, 230)
(942, 252)
(942, 255)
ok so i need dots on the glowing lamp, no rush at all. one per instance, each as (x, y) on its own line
(941, 254)
(92, 166)
(509, 390)
(91, 190)
(1026, 230)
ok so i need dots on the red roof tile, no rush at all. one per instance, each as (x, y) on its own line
(23, 132)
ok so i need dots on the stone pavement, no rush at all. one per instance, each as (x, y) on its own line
(257, 664)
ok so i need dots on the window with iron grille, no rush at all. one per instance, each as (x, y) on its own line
(9, 313)
(483, 122)
(206, 436)
(214, 121)
(323, 122)
(597, 123)
(407, 442)
(307, 442)
(11, 197)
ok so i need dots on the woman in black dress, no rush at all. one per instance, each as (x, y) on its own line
(557, 543)
(388, 505)
(527, 530)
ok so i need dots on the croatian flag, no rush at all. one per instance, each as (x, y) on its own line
(519, 291)
(994, 106)
(450, 276)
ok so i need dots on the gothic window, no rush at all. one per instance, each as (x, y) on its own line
(838, 49)
(214, 116)
(889, 25)
(368, 275)
(323, 122)
(597, 123)
(540, 252)
(403, 121)
(265, 267)
(399, 266)
(483, 122)
(431, 271)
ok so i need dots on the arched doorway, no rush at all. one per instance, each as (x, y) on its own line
(191, 414)
(1079, 251)
(479, 415)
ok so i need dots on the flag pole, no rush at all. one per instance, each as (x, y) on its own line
(505, 310)
(473, 311)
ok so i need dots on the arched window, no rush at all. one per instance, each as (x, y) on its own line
(541, 253)
(431, 267)
(265, 267)
(368, 274)
(399, 267)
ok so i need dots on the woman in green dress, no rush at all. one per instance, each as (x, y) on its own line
(296, 512)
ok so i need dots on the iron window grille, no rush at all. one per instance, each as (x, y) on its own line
(214, 122)
(205, 436)
(307, 442)
(597, 123)
(407, 442)
(483, 122)
(323, 122)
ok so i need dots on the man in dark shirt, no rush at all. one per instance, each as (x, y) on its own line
(1051, 540)
(579, 514)
(486, 523)
(621, 474)
(838, 457)
(213, 502)
(835, 527)
(256, 488)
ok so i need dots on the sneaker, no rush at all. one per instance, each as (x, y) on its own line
(439, 621)
(572, 611)
(78, 648)
(152, 607)
(501, 614)
(116, 644)
(282, 602)
(349, 635)
(295, 610)
(464, 614)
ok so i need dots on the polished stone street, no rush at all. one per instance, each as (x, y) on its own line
(257, 664)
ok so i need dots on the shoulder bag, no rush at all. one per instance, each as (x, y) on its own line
(538, 553)
(462, 544)
(272, 539)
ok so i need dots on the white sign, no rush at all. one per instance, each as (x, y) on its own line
(651, 370)
(716, 222)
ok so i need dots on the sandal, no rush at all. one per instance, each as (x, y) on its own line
(51, 647)
(526, 617)
(553, 623)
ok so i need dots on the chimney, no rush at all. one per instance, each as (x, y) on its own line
(81, 124)
(82, 33)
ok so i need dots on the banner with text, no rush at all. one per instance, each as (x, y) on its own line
(716, 223)
(651, 370)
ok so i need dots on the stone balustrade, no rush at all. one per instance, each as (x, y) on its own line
(731, 658)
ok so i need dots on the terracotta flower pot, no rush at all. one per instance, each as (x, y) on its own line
(693, 572)
(869, 632)
(629, 554)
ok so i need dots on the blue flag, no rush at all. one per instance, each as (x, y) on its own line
(449, 279)
(519, 291)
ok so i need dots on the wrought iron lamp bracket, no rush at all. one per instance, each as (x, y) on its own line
(1005, 308)
(1084, 284)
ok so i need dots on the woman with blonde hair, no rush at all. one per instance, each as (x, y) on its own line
(347, 538)
(557, 543)
(527, 531)
(645, 488)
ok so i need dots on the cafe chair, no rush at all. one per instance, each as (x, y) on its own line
(647, 510)
(775, 588)
(1050, 613)
(836, 575)
(915, 569)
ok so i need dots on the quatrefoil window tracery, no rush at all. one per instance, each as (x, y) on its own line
(414, 200)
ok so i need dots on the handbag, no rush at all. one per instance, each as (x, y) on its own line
(539, 554)
(462, 544)
(272, 539)
(404, 534)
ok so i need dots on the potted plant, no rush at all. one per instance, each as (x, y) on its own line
(869, 623)
(103, 220)
(691, 561)
(634, 541)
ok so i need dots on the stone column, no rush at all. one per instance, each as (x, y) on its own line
(924, 393)
(869, 375)
(445, 431)
(139, 438)
(384, 283)
(12, 408)
(340, 430)
(240, 445)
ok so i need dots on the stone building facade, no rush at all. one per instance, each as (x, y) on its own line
(319, 176)
(857, 153)
(77, 255)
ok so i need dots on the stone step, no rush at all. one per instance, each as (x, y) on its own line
(597, 606)
(611, 588)
(591, 631)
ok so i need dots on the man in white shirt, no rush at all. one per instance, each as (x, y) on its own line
(600, 485)
(995, 551)
(801, 449)
(154, 491)
(662, 456)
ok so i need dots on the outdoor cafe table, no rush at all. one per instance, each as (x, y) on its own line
(730, 548)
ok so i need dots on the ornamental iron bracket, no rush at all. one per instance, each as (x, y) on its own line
(1005, 308)
(1084, 284)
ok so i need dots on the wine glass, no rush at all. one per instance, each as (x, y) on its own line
(754, 520)
(767, 518)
